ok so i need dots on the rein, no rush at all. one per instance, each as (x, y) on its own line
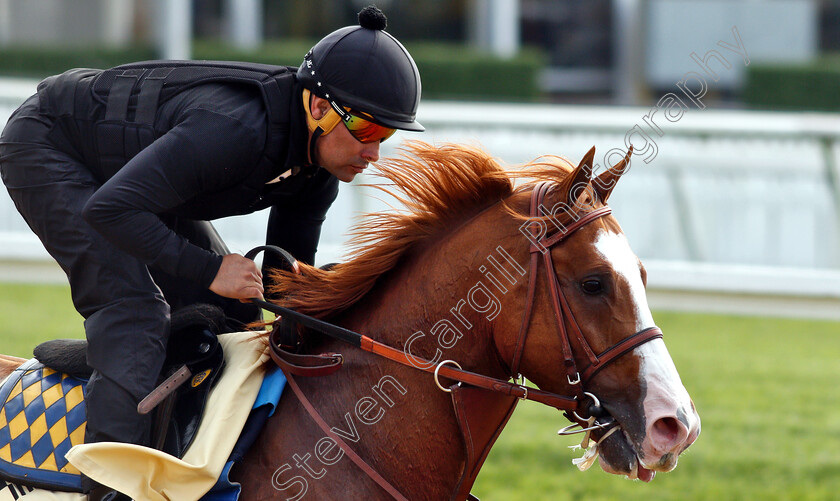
(321, 365)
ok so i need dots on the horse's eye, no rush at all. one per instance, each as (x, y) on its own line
(591, 286)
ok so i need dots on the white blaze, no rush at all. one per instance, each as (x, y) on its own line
(616, 250)
(665, 396)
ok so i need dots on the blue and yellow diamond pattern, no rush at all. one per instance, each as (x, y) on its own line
(42, 417)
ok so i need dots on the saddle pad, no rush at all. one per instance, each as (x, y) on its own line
(41, 418)
(150, 475)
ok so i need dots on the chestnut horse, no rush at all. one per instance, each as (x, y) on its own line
(8, 364)
(460, 278)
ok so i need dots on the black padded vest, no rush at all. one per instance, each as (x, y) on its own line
(140, 87)
(131, 94)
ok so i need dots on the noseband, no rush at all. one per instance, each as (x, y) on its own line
(571, 338)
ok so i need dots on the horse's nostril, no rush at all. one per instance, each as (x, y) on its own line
(666, 437)
(668, 428)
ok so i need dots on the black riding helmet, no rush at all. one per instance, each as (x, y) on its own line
(366, 69)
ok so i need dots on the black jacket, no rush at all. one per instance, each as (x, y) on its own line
(205, 150)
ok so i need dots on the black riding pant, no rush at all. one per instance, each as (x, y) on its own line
(125, 304)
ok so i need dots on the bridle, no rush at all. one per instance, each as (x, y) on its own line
(572, 342)
(571, 338)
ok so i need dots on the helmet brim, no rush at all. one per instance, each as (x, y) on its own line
(414, 126)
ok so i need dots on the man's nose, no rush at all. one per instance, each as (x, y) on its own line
(370, 151)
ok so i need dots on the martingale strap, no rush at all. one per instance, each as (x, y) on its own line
(316, 416)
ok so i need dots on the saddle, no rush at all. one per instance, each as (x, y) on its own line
(42, 408)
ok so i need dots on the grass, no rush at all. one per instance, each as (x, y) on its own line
(766, 390)
(30, 314)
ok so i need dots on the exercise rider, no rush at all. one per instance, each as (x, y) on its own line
(119, 171)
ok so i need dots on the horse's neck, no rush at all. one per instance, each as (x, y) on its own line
(419, 308)
(394, 416)
(422, 308)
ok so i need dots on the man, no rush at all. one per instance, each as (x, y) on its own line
(118, 172)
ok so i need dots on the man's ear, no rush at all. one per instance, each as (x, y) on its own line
(319, 107)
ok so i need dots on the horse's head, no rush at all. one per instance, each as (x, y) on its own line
(577, 325)
(593, 320)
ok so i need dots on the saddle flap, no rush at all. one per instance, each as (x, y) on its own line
(482, 415)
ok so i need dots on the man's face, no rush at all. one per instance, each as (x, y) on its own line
(339, 152)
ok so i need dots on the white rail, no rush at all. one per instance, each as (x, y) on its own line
(736, 211)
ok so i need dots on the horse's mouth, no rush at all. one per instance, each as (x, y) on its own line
(616, 455)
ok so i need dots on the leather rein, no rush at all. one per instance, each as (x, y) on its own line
(572, 342)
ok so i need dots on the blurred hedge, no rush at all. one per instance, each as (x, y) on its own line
(814, 86)
(449, 71)
(40, 62)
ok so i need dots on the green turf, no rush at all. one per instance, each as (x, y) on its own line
(766, 391)
(30, 314)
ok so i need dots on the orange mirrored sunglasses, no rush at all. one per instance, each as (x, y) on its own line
(362, 126)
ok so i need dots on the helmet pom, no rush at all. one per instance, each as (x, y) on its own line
(372, 18)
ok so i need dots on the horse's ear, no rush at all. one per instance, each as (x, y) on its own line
(581, 176)
(604, 184)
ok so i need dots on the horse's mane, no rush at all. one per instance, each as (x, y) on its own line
(440, 186)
